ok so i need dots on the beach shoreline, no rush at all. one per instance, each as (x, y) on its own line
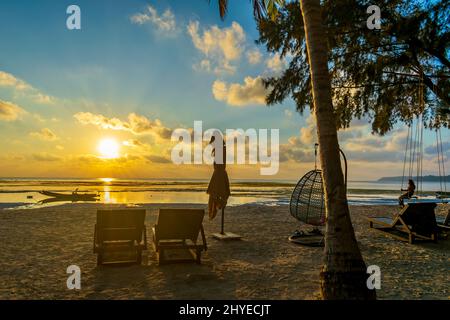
(28, 191)
(39, 245)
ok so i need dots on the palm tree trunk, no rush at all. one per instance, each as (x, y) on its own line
(343, 274)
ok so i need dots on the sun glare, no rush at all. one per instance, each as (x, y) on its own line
(108, 149)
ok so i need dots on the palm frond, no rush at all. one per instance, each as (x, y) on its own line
(223, 6)
(262, 8)
(259, 9)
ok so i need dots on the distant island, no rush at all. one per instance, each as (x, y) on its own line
(424, 179)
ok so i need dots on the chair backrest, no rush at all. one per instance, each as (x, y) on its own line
(421, 217)
(179, 224)
(116, 225)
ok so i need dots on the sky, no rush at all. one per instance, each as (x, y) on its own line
(136, 71)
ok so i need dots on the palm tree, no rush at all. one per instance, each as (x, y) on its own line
(343, 273)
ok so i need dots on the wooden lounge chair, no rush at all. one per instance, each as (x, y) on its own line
(120, 230)
(414, 222)
(443, 223)
(179, 229)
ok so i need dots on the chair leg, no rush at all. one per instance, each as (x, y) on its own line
(160, 256)
(99, 259)
(198, 256)
(139, 256)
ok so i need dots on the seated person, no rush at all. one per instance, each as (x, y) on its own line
(409, 192)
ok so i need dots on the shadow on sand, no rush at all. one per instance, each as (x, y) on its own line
(186, 280)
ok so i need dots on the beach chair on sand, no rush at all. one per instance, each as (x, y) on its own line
(179, 229)
(443, 223)
(120, 231)
(416, 221)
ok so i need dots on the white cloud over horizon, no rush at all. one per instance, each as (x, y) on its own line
(44, 134)
(136, 124)
(46, 157)
(275, 64)
(22, 88)
(251, 92)
(254, 56)
(165, 23)
(10, 112)
(219, 47)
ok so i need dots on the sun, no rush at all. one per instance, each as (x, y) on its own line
(108, 149)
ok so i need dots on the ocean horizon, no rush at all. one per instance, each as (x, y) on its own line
(24, 192)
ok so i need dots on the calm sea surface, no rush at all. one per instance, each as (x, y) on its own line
(25, 192)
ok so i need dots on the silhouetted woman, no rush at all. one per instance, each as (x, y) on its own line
(409, 192)
(219, 185)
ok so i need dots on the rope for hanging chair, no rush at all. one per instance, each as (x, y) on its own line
(414, 150)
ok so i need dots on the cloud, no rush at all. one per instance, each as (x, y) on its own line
(142, 125)
(134, 143)
(288, 113)
(8, 80)
(158, 159)
(137, 124)
(10, 111)
(375, 156)
(360, 145)
(165, 23)
(308, 134)
(46, 157)
(295, 150)
(221, 47)
(22, 88)
(101, 121)
(94, 160)
(254, 56)
(204, 65)
(350, 134)
(432, 150)
(38, 117)
(357, 142)
(276, 64)
(393, 142)
(155, 153)
(251, 92)
(12, 157)
(44, 134)
(43, 98)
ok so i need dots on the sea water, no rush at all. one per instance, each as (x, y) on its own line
(14, 192)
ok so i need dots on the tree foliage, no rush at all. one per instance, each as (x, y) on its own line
(380, 74)
(261, 8)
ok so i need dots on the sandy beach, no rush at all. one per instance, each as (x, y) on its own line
(38, 245)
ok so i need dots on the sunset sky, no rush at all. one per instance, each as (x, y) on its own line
(103, 101)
